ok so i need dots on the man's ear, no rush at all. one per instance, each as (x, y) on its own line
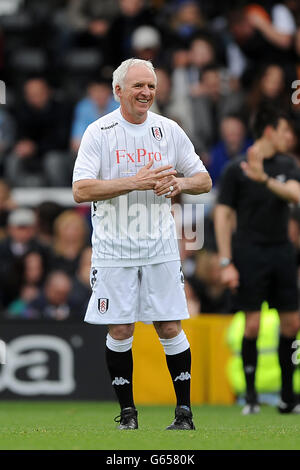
(118, 90)
(268, 131)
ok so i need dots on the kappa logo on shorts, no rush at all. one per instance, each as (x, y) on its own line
(157, 133)
(93, 278)
(103, 305)
(181, 276)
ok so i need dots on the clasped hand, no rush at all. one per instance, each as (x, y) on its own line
(159, 179)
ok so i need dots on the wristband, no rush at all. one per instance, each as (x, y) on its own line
(224, 262)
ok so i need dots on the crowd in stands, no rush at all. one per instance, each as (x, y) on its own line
(216, 62)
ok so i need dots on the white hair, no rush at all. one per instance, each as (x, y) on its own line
(120, 73)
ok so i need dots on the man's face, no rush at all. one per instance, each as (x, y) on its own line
(37, 93)
(201, 53)
(233, 133)
(100, 94)
(21, 233)
(212, 83)
(282, 136)
(57, 289)
(131, 7)
(137, 94)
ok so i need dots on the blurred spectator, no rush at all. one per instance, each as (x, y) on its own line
(188, 64)
(133, 13)
(11, 7)
(82, 23)
(98, 102)
(269, 89)
(186, 21)
(53, 302)
(70, 238)
(206, 285)
(32, 269)
(146, 44)
(212, 102)
(21, 239)
(43, 122)
(7, 204)
(192, 299)
(170, 104)
(95, 36)
(77, 13)
(81, 290)
(264, 34)
(46, 213)
(296, 63)
(294, 74)
(234, 142)
(7, 135)
(276, 24)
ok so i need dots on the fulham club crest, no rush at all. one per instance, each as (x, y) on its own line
(103, 305)
(157, 133)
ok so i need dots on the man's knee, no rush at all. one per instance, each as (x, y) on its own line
(252, 325)
(168, 329)
(289, 323)
(121, 332)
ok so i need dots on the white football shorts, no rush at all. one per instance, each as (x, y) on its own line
(120, 295)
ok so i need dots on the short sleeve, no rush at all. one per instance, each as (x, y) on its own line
(283, 19)
(228, 186)
(293, 172)
(88, 161)
(188, 162)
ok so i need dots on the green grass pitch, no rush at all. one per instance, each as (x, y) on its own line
(90, 425)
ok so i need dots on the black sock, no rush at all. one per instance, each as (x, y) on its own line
(120, 366)
(179, 366)
(249, 356)
(285, 352)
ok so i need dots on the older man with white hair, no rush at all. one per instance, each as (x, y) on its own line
(126, 166)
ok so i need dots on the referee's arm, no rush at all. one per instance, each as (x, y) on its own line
(225, 221)
(290, 190)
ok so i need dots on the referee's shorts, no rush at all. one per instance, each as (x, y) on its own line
(268, 272)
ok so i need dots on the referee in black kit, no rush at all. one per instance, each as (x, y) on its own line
(260, 265)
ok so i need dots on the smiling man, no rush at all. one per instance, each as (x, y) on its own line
(126, 166)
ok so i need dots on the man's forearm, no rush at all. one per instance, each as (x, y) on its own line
(197, 184)
(99, 190)
(290, 191)
(223, 221)
(281, 40)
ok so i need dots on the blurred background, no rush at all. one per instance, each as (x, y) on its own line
(216, 63)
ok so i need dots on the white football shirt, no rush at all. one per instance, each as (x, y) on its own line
(137, 228)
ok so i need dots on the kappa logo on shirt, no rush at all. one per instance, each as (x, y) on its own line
(109, 127)
(157, 133)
